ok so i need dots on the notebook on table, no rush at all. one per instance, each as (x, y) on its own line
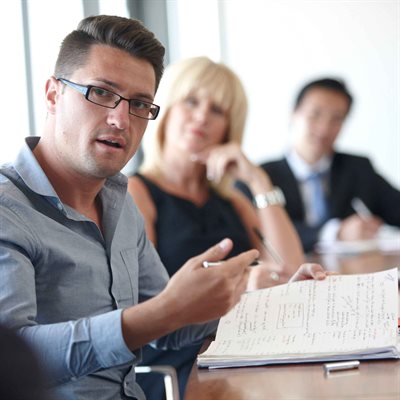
(344, 317)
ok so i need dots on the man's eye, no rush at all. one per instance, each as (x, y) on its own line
(140, 105)
(337, 119)
(102, 92)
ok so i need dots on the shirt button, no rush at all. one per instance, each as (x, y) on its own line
(59, 206)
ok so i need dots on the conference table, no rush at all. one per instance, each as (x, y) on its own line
(373, 380)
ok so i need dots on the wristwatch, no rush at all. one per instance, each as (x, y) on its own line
(271, 198)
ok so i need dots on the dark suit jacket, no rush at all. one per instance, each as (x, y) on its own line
(350, 176)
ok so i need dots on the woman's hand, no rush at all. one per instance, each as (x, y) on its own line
(229, 158)
(310, 271)
(267, 274)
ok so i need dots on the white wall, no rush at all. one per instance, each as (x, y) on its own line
(13, 102)
(49, 22)
(275, 46)
(289, 42)
(45, 47)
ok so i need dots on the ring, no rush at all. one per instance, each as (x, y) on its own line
(274, 276)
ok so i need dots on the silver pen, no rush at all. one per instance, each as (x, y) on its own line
(272, 252)
(208, 264)
(341, 366)
(268, 246)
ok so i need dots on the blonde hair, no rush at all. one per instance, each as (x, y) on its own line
(179, 81)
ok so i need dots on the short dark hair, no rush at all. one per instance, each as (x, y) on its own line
(127, 34)
(324, 83)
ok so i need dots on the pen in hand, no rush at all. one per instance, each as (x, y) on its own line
(361, 209)
(208, 264)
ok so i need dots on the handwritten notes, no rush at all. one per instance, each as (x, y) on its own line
(309, 320)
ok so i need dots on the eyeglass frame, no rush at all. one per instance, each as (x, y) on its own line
(85, 90)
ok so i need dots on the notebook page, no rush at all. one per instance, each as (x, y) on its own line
(343, 313)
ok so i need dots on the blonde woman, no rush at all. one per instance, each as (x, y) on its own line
(185, 187)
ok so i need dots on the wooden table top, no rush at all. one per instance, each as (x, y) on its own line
(373, 380)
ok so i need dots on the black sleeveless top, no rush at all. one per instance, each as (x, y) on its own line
(185, 230)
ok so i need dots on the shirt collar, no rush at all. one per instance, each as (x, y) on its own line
(30, 170)
(303, 170)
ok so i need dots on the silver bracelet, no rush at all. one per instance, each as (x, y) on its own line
(271, 198)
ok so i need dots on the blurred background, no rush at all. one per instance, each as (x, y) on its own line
(275, 46)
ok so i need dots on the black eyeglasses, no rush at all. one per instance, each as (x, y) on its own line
(108, 99)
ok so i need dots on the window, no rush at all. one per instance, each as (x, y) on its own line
(42, 25)
(13, 102)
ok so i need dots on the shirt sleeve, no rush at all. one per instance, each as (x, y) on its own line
(73, 349)
(186, 336)
(68, 350)
(329, 231)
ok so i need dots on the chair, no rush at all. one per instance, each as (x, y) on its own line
(170, 378)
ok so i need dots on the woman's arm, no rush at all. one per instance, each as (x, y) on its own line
(272, 221)
(275, 226)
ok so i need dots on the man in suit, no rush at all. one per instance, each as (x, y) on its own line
(320, 110)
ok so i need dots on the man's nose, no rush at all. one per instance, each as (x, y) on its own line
(119, 116)
(324, 125)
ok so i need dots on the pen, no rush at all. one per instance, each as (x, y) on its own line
(271, 250)
(268, 246)
(361, 209)
(207, 264)
(341, 366)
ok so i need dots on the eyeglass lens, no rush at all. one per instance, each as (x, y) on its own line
(109, 99)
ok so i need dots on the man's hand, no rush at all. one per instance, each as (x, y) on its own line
(193, 295)
(358, 228)
(199, 294)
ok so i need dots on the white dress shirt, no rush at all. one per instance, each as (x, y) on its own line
(302, 170)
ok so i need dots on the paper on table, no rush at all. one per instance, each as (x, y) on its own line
(310, 320)
(387, 240)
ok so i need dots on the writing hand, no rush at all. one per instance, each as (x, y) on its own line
(356, 227)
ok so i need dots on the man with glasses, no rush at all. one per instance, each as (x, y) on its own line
(78, 277)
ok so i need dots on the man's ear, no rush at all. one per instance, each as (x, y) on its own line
(53, 88)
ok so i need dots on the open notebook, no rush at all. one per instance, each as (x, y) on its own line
(344, 317)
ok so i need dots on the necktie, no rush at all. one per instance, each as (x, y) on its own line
(318, 197)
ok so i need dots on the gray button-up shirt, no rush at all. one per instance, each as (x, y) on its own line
(63, 284)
